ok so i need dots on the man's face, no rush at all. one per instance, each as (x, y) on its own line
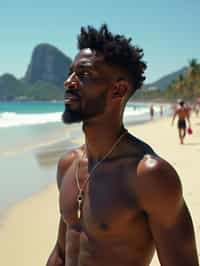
(86, 87)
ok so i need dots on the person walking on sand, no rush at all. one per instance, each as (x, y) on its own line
(118, 199)
(151, 111)
(183, 114)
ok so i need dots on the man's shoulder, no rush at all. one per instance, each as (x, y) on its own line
(157, 182)
(154, 169)
(139, 146)
(65, 162)
(68, 157)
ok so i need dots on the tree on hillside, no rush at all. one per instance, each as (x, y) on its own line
(186, 87)
(194, 69)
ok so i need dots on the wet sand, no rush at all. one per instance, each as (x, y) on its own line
(28, 230)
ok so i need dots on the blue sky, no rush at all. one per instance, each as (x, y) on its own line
(168, 31)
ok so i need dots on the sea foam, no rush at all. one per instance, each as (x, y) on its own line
(11, 119)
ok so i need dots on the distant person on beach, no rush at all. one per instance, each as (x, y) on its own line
(183, 114)
(161, 111)
(151, 111)
(196, 110)
(118, 201)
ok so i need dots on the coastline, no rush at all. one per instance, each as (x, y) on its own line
(28, 229)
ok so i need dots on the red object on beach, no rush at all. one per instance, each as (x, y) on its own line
(189, 131)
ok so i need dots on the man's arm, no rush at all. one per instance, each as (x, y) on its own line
(160, 195)
(57, 256)
(174, 116)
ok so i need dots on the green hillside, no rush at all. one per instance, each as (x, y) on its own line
(42, 90)
(185, 86)
(11, 88)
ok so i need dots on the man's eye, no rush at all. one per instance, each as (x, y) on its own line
(83, 74)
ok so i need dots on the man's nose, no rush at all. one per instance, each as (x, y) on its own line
(71, 82)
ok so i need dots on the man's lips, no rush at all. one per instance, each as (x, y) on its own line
(71, 97)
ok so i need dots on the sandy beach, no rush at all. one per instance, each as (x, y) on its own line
(28, 230)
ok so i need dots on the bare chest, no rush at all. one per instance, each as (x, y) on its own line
(107, 201)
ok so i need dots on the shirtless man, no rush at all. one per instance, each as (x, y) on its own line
(183, 114)
(119, 201)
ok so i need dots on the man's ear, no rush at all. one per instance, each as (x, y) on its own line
(120, 89)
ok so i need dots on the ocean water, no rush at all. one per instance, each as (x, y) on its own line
(27, 125)
(28, 155)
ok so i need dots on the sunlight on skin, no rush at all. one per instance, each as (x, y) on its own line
(150, 161)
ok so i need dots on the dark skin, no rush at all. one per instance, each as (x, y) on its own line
(133, 202)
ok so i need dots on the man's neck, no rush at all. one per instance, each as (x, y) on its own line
(100, 136)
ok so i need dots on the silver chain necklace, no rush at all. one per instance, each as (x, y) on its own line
(80, 196)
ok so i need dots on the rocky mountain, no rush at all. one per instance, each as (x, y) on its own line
(44, 77)
(47, 64)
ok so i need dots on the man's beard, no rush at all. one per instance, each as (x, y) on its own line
(71, 116)
(85, 112)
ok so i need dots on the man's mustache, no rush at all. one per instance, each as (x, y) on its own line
(72, 93)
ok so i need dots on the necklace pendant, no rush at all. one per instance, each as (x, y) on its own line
(78, 213)
(80, 201)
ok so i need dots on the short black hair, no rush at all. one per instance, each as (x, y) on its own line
(117, 50)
